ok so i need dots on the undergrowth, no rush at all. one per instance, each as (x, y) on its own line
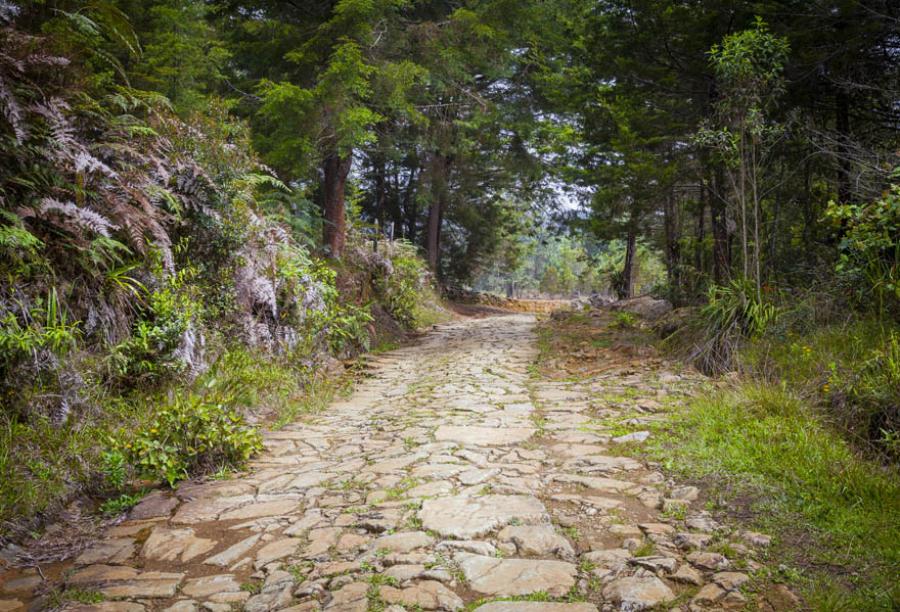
(851, 371)
(164, 435)
(834, 514)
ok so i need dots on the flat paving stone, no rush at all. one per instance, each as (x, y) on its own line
(638, 593)
(425, 595)
(509, 577)
(175, 544)
(534, 606)
(483, 436)
(471, 517)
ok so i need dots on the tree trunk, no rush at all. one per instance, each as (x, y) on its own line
(380, 196)
(336, 168)
(721, 246)
(699, 243)
(628, 268)
(673, 248)
(410, 207)
(436, 210)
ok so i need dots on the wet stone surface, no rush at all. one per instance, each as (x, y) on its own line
(453, 475)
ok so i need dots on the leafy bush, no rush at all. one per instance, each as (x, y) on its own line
(348, 330)
(401, 286)
(119, 504)
(31, 345)
(150, 354)
(624, 320)
(872, 391)
(850, 370)
(47, 328)
(191, 434)
(870, 249)
(732, 314)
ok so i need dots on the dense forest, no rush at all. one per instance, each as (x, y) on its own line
(206, 205)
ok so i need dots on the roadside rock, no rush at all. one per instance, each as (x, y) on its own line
(539, 541)
(427, 595)
(507, 577)
(645, 306)
(471, 517)
(635, 593)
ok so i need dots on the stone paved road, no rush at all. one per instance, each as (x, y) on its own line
(451, 476)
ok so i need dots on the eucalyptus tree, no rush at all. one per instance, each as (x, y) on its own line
(748, 66)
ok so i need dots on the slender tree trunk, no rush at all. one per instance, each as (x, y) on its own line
(396, 210)
(380, 196)
(436, 210)
(673, 248)
(742, 200)
(410, 206)
(628, 269)
(336, 168)
(754, 177)
(699, 259)
(721, 243)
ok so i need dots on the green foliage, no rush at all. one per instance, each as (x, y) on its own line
(18, 245)
(564, 265)
(114, 467)
(401, 289)
(149, 354)
(183, 57)
(31, 345)
(348, 329)
(47, 328)
(750, 64)
(192, 433)
(732, 314)
(624, 320)
(874, 390)
(870, 250)
(849, 369)
(119, 505)
(649, 272)
(804, 480)
(41, 463)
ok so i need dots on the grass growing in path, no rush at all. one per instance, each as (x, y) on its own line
(836, 516)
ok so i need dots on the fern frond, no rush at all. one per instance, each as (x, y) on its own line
(12, 111)
(81, 219)
(8, 11)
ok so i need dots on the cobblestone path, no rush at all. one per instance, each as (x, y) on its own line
(451, 478)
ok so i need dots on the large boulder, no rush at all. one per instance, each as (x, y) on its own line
(645, 306)
(675, 321)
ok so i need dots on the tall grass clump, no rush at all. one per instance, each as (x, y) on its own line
(807, 485)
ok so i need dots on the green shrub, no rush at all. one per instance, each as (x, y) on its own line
(624, 320)
(47, 328)
(120, 504)
(191, 434)
(30, 347)
(870, 249)
(114, 469)
(732, 314)
(169, 311)
(401, 290)
(850, 370)
(872, 390)
(348, 330)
